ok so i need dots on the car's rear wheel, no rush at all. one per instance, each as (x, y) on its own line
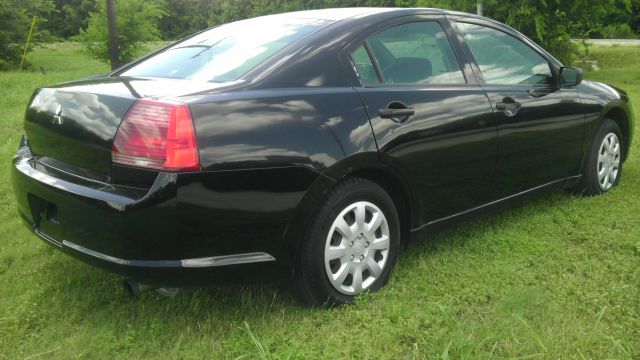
(350, 245)
(603, 166)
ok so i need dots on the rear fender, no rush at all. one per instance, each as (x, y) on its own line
(366, 165)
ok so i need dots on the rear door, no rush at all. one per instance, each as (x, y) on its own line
(540, 124)
(431, 120)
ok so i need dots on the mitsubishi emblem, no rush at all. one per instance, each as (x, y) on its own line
(57, 119)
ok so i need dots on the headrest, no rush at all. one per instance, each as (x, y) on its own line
(408, 70)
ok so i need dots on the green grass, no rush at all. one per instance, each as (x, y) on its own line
(554, 278)
(620, 64)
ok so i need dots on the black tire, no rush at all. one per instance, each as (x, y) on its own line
(590, 184)
(311, 282)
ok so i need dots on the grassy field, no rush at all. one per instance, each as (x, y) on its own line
(554, 278)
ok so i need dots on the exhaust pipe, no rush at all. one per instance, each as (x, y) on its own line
(134, 288)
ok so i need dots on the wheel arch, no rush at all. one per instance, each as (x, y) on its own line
(364, 165)
(394, 185)
(368, 166)
(621, 118)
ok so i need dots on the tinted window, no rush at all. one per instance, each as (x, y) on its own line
(227, 52)
(364, 66)
(502, 58)
(412, 53)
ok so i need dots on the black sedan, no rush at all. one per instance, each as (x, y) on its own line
(323, 140)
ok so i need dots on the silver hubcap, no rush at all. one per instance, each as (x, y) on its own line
(608, 161)
(357, 248)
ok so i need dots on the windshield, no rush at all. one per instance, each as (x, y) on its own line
(227, 52)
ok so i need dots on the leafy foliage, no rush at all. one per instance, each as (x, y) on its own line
(618, 31)
(16, 18)
(553, 23)
(137, 23)
(184, 18)
(69, 17)
(542, 19)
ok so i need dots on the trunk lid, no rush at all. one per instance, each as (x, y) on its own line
(72, 126)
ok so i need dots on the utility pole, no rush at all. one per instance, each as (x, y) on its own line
(114, 45)
(479, 8)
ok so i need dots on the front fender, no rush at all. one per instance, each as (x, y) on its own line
(604, 101)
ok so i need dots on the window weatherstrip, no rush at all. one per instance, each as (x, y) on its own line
(374, 60)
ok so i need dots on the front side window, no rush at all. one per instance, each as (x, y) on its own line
(227, 52)
(413, 53)
(502, 58)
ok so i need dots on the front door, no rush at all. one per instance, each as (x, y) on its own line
(540, 124)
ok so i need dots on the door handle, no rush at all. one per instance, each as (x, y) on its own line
(396, 111)
(536, 93)
(391, 113)
(510, 108)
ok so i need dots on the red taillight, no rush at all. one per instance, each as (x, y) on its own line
(157, 135)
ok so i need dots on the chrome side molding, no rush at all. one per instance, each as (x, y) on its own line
(212, 261)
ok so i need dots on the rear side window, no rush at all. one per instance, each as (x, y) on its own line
(502, 58)
(413, 53)
(227, 52)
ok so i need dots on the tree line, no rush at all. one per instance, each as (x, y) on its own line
(551, 23)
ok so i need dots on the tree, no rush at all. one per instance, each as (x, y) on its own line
(554, 23)
(112, 37)
(16, 18)
(69, 17)
(635, 19)
(621, 21)
(186, 17)
(137, 23)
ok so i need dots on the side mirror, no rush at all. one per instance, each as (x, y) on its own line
(570, 76)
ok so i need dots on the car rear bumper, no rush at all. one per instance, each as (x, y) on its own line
(135, 232)
(156, 272)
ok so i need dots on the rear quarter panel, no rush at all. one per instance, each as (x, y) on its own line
(311, 127)
(267, 157)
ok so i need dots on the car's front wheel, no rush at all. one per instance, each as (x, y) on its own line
(350, 245)
(603, 166)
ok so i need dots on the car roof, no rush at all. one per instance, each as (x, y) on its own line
(337, 14)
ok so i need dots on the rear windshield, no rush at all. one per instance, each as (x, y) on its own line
(227, 52)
